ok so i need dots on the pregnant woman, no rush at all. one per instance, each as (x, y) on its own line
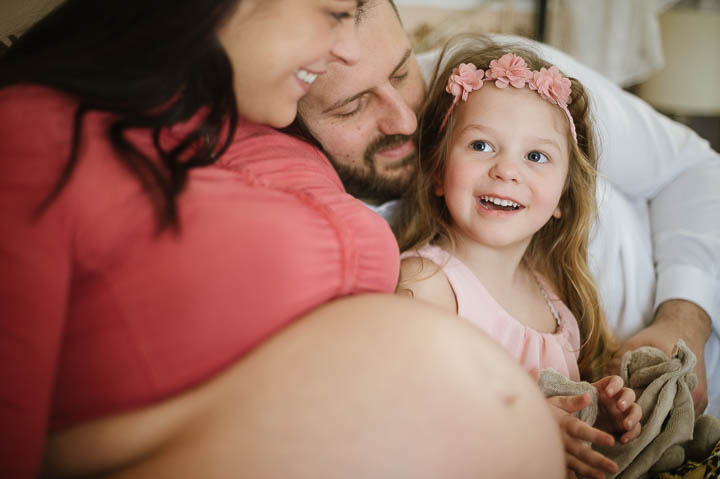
(186, 292)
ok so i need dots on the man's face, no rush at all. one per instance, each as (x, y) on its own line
(363, 114)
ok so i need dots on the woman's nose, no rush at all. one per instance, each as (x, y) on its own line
(346, 48)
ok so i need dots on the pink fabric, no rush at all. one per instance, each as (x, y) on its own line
(100, 315)
(533, 349)
(552, 86)
(511, 69)
(464, 79)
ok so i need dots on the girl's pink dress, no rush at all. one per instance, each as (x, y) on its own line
(533, 349)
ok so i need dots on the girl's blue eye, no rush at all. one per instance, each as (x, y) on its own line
(537, 157)
(481, 146)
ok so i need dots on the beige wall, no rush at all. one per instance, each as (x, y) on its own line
(17, 15)
(429, 27)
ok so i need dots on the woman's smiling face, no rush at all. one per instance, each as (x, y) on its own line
(278, 47)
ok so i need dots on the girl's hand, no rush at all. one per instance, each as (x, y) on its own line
(578, 437)
(617, 410)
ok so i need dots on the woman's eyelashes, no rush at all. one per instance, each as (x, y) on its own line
(399, 77)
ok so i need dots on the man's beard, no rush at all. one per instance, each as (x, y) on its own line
(368, 184)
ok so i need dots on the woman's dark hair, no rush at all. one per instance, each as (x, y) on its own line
(150, 64)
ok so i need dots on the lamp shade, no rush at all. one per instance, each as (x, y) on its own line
(689, 83)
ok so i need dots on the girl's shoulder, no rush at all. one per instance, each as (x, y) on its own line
(421, 277)
(420, 264)
(433, 253)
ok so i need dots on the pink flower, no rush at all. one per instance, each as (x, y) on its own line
(552, 86)
(464, 79)
(511, 69)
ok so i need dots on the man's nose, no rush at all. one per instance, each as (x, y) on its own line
(397, 118)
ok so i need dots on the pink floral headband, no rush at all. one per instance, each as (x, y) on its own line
(511, 69)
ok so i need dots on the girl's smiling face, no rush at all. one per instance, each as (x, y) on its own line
(278, 47)
(506, 166)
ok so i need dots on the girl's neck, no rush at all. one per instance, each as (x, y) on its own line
(502, 267)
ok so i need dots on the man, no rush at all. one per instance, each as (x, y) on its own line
(661, 202)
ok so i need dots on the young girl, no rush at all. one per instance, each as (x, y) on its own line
(495, 226)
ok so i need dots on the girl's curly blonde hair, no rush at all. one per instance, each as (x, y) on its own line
(559, 249)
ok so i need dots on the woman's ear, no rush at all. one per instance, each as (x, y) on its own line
(557, 213)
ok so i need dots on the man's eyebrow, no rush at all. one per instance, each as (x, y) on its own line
(360, 11)
(345, 101)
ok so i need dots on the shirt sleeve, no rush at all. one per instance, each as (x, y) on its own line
(34, 283)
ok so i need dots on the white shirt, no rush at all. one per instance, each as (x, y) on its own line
(658, 210)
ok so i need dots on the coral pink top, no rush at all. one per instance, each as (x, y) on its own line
(100, 314)
(533, 349)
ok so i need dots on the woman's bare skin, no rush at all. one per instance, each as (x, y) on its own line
(369, 386)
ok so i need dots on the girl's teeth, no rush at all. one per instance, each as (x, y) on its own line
(500, 202)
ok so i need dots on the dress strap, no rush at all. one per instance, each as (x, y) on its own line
(547, 300)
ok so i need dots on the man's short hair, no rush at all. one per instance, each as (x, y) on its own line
(391, 2)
